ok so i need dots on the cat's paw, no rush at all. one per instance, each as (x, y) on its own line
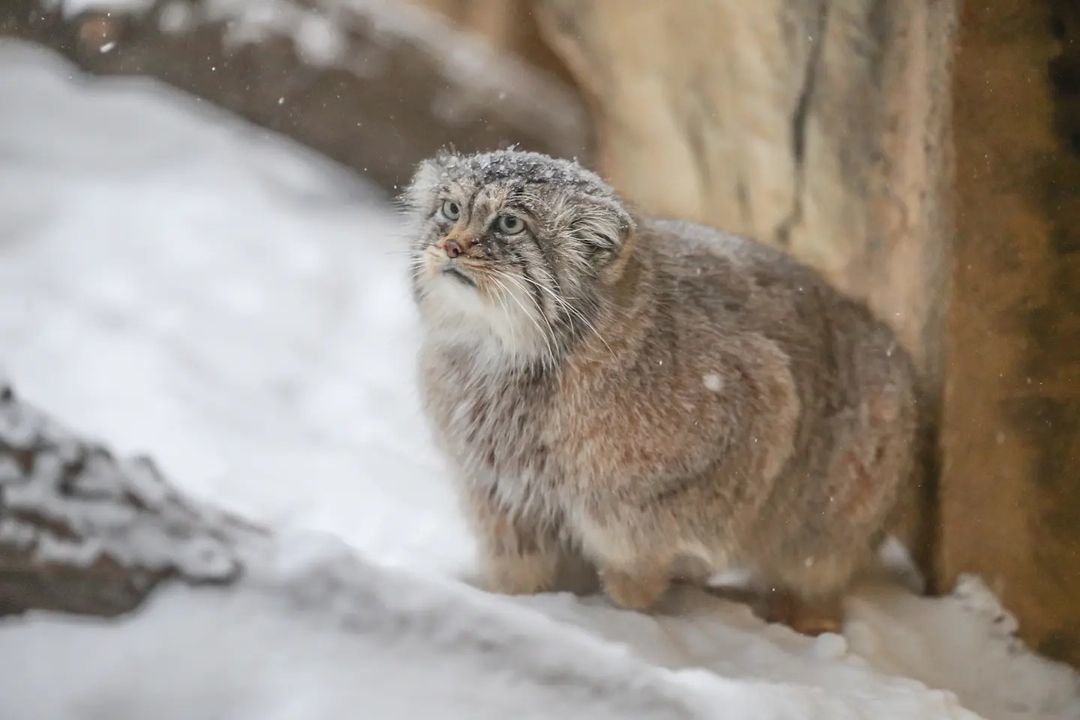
(634, 592)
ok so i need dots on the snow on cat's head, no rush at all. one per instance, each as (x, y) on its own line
(509, 248)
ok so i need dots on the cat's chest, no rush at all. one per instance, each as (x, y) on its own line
(493, 425)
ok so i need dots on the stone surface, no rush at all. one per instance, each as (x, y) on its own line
(85, 532)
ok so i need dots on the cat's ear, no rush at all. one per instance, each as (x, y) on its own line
(603, 225)
(429, 176)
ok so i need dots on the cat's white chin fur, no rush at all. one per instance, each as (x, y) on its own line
(500, 323)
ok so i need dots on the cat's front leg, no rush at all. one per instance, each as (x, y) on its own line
(635, 566)
(516, 556)
(636, 587)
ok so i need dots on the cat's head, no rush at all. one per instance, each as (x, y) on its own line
(512, 247)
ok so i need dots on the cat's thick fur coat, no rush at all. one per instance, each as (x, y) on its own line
(653, 399)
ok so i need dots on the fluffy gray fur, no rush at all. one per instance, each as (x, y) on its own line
(650, 399)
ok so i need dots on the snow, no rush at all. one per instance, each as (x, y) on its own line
(382, 658)
(184, 285)
(73, 8)
(175, 17)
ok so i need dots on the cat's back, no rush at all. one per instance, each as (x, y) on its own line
(715, 267)
(735, 284)
(717, 286)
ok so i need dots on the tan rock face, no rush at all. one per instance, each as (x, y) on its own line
(818, 127)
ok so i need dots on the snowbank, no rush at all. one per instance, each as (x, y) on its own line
(317, 634)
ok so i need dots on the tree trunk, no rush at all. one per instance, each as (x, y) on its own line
(1010, 500)
(377, 86)
(82, 531)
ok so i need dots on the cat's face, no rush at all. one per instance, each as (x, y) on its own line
(510, 247)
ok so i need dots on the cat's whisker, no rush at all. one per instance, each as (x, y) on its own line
(546, 336)
(558, 300)
(571, 311)
(551, 330)
(500, 297)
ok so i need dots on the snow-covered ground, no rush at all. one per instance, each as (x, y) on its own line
(176, 282)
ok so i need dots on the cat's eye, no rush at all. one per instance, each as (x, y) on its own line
(509, 224)
(450, 210)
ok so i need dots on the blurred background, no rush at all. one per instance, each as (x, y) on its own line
(924, 156)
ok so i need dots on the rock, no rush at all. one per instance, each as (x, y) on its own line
(83, 531)
(377, 86)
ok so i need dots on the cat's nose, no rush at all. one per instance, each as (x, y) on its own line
(454, 245)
